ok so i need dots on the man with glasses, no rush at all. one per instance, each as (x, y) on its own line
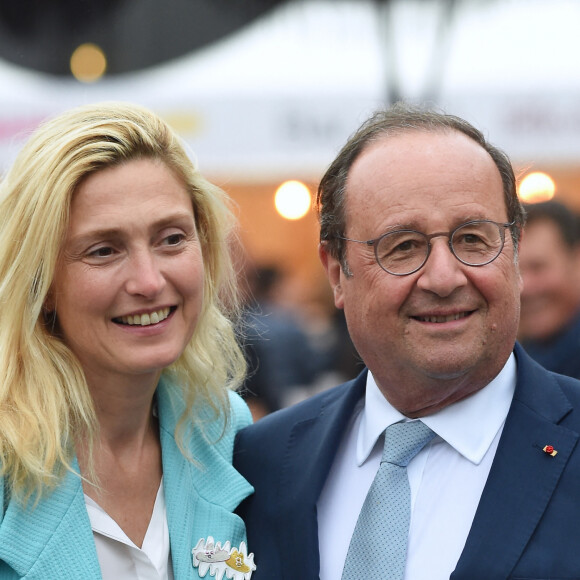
(453, 454)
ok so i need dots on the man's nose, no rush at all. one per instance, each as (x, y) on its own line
(443, 272)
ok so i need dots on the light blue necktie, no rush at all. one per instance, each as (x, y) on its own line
(378, 547)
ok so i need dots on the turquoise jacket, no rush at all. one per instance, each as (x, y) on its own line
(54, 541)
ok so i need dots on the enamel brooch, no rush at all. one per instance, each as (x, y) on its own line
(210, 556)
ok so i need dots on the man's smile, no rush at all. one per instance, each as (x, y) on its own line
(439, 318)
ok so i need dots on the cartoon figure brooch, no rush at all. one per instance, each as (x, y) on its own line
(210, 556)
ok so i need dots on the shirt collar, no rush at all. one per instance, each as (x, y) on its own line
(459, 424)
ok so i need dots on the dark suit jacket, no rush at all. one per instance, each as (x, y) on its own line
(527, 524)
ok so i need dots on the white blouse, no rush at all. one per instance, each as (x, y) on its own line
(119, 557)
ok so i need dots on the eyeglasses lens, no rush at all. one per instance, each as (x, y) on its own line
(477, 243)
(402, 252)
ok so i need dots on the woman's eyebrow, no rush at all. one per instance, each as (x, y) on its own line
(114, 232)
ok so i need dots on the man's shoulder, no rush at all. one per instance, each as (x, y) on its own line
(303, 411)
(548, 393)
(298, 439)
(276, 426)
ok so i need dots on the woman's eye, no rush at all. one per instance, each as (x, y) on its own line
(174, 239)
(103, 252)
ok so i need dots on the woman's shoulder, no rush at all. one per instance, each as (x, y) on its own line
(221, 429)
(239, 412)
(213, 424)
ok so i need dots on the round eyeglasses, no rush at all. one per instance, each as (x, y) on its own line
(403, 252)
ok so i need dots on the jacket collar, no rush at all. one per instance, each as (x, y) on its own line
(211, 471)
(200, 495)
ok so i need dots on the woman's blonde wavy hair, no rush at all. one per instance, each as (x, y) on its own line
(45, 405)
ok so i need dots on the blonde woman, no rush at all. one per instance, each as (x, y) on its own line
(117, 358)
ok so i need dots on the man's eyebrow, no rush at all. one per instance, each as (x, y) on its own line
(414, 224)
(411, 225)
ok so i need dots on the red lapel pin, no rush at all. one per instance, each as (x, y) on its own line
(549, 449)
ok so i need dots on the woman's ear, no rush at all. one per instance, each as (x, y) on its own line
(49, 310)
(49, 305)
(49, 314)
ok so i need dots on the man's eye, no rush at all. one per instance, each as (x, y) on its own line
(405, 246)
(471, 239)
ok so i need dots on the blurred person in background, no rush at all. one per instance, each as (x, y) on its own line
(117, 357)
(336, 357)
(280, 359)
(550, 267)
(296, 344)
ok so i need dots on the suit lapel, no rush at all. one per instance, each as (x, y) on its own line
(310, 453)
(54, 535)
(522, 478)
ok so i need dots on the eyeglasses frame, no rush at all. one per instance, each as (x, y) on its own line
(375, 243)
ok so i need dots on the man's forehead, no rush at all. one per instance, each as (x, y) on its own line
(418, 138)
(409, 175)
(415, 155)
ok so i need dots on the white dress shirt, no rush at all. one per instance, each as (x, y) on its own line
(119, 557)
(446, 477)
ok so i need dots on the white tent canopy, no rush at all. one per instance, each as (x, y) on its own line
(281, 96)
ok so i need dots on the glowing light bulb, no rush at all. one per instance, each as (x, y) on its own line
(536, 187)
(88, 63)
(292, 200)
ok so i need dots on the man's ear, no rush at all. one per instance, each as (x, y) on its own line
(520, 278)
(333, 271)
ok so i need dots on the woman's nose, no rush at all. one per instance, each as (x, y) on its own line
(144, 275)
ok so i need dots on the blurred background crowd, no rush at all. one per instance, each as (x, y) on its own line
(264, 92)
